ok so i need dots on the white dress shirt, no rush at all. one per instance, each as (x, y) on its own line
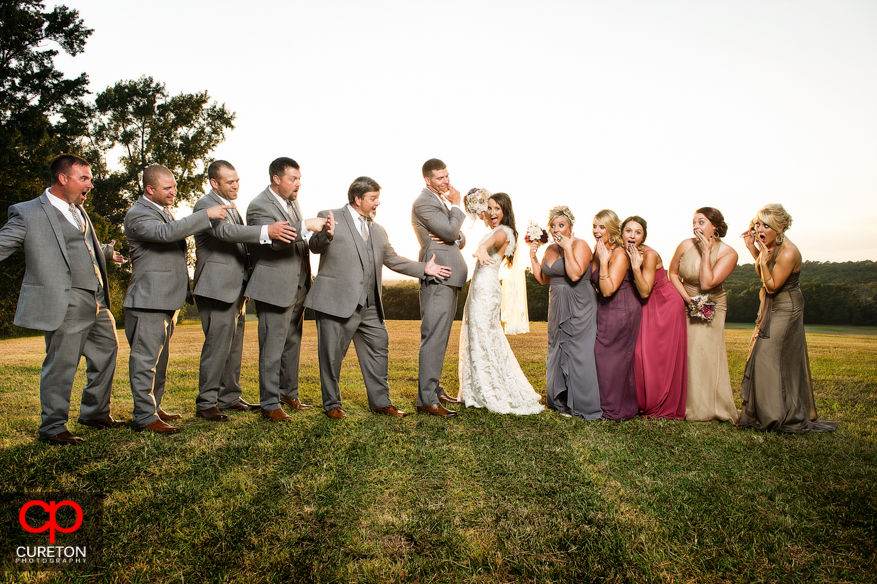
(64, 207)
(305, 234)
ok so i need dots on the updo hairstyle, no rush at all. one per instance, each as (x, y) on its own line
(715, 217)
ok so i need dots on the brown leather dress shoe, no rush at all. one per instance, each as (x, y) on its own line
(277, 415)
(295, 403)
(64, 438)
(167, 416)
(240, 407)
(105, 423)
(390, 410)
(248, 404)
(211, 415)
(159, 427)
(437, 410)
(445, 398)
(336, 413)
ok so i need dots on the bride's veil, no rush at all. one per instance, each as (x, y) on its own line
(513, 313)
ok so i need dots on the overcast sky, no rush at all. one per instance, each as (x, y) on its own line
(652, 108)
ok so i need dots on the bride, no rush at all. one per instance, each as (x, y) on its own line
(490, 376)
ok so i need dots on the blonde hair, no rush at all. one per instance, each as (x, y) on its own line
(774, 215)
(613, 225)
(561, 211)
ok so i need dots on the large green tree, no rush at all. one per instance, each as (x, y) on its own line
(152, 127)
(42, 112)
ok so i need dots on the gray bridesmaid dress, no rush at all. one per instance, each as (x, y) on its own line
(571, 370)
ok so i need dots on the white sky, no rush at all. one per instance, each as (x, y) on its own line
(651, 108)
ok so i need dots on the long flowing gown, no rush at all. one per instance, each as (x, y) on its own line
(618, 318)
(709, 383)
(571, 370)
(490, 376)
(777, 390)
(661, 357)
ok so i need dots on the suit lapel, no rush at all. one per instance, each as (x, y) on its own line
(283, 212)
(436, 201)
(98, 252)
(355, 234)
(181, 243)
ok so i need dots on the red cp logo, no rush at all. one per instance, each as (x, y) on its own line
(51, 524)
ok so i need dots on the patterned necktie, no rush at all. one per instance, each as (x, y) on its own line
(364, 222)
(167, 213)
(290, 208)
(79, 222)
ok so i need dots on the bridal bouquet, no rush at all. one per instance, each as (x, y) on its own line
(475, 201)
(535, 233)
(702, 307)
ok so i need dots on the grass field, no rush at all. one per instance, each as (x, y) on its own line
(482, 498)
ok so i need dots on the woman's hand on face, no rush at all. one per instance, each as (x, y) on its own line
(564, 243)
(635, 255)
(706, 243)
(602, 252)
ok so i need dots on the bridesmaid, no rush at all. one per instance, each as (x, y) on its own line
(618, 318)
(699, 266)
(660, 361)
(570, 372)
(777, 390)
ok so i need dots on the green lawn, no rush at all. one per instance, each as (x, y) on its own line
(482, 498)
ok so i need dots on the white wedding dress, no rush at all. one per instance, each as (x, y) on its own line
(490, 376)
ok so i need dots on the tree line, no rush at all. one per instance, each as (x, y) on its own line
(43, 114)
(834, 293)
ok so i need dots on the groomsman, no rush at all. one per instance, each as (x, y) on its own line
(159, 286)
(222, 268)
(347, 296)
(437, 217)
(279, 285)
(65, 294)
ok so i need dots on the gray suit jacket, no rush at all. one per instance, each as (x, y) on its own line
(276, 267)
(221, 262)
(34, 227)
(159, 273)
(338, 285)
(429, 215)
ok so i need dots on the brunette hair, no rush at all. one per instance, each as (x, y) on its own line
(508, 219)
(431, 165)
(63, 163)
(641, 221)
(715, 217)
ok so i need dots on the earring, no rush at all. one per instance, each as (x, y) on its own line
(781, 237)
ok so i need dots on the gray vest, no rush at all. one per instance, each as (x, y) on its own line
(83, 264)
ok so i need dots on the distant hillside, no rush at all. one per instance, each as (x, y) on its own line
(834, 293)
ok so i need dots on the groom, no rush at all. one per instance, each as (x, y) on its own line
(346, 296)
(437, 217)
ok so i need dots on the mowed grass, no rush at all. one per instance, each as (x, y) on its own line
(481, 498)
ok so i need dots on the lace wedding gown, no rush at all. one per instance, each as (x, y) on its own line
(490, 376)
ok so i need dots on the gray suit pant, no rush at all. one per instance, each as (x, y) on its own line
(279, 350)
(149, 335)
(438, 306)
(88, 330)
(369, 335)
(220, 371)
